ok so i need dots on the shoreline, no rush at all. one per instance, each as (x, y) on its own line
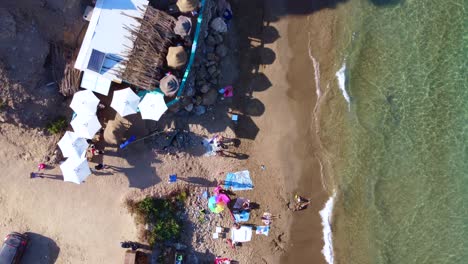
(314, 35)
(291, 145)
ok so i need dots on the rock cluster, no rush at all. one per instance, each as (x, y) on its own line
(206, 68)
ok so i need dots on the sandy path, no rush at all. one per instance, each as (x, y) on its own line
(85, 221)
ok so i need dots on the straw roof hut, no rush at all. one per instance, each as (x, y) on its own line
(183, 26)
(145, 63)
(186, 6)
(176, 57)
(169, 85)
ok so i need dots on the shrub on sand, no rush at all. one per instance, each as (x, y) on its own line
(58, 125)
(162, 215)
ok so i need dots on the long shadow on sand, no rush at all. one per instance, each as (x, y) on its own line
(140, 172)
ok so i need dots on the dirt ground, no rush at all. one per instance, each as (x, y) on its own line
(85, 223)
(35, 39)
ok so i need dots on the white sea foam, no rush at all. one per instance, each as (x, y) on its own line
(318, 88)
(341, 76)
(317, 75)
(326, 214)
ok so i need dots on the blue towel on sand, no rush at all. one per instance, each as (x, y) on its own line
(238, 181)
(242, 216)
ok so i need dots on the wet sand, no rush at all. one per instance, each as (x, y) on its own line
(310, 35)
(288, 141)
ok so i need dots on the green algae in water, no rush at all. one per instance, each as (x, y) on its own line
(402, 166)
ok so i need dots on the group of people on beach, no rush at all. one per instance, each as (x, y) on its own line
(220, 144)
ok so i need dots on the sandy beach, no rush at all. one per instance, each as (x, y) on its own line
(291, 114)
(275, 93)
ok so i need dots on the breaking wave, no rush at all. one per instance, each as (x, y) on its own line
(341, 76)
(326, 215)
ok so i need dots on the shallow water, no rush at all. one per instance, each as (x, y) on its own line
(399, 153)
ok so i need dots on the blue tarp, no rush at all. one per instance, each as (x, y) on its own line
(242, 216)
(238, 181)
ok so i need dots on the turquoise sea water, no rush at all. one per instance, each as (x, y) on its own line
(400, 163)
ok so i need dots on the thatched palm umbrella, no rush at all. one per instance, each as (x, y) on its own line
(169, 85)
(183, 26)
(176, 57)
(186, 6)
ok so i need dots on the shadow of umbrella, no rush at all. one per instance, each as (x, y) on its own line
(41, 250)
(260, 82)
(246, 128)
(254, 107)
(265, 56)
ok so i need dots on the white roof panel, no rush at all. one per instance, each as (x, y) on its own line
(107, 33)
(96, 83)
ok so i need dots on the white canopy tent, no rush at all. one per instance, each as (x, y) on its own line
(84, 103)
(152, 106)
(86, 126)
(125, 102)
(75, 170)
(72, 146)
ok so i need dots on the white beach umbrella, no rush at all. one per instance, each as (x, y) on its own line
(84, 102)
(152, 106)
(125, 102)
(75, 170)
(72, 145)
(86, 126)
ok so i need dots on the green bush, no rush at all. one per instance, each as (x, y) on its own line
(58, 125)
(162, 215)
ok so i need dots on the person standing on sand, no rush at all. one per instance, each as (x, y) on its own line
(301, 203)
(95, 151)
(40, 167)
(219, 144)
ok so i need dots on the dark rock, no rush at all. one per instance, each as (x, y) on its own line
(8, 25)
(174, 108)
(210, 41)
(215, 74)
(219, 39)
(186, 101)
(200, 110)
(218, 25)
(209, 49)
(210, 97)
(201, 73)
(209, 63)
(189, 108)
(198, 100)
(201, 82)
(214, 81)
(190, 91)
(221, 50)
(205, 88)
(211, 57)
(212, 69)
